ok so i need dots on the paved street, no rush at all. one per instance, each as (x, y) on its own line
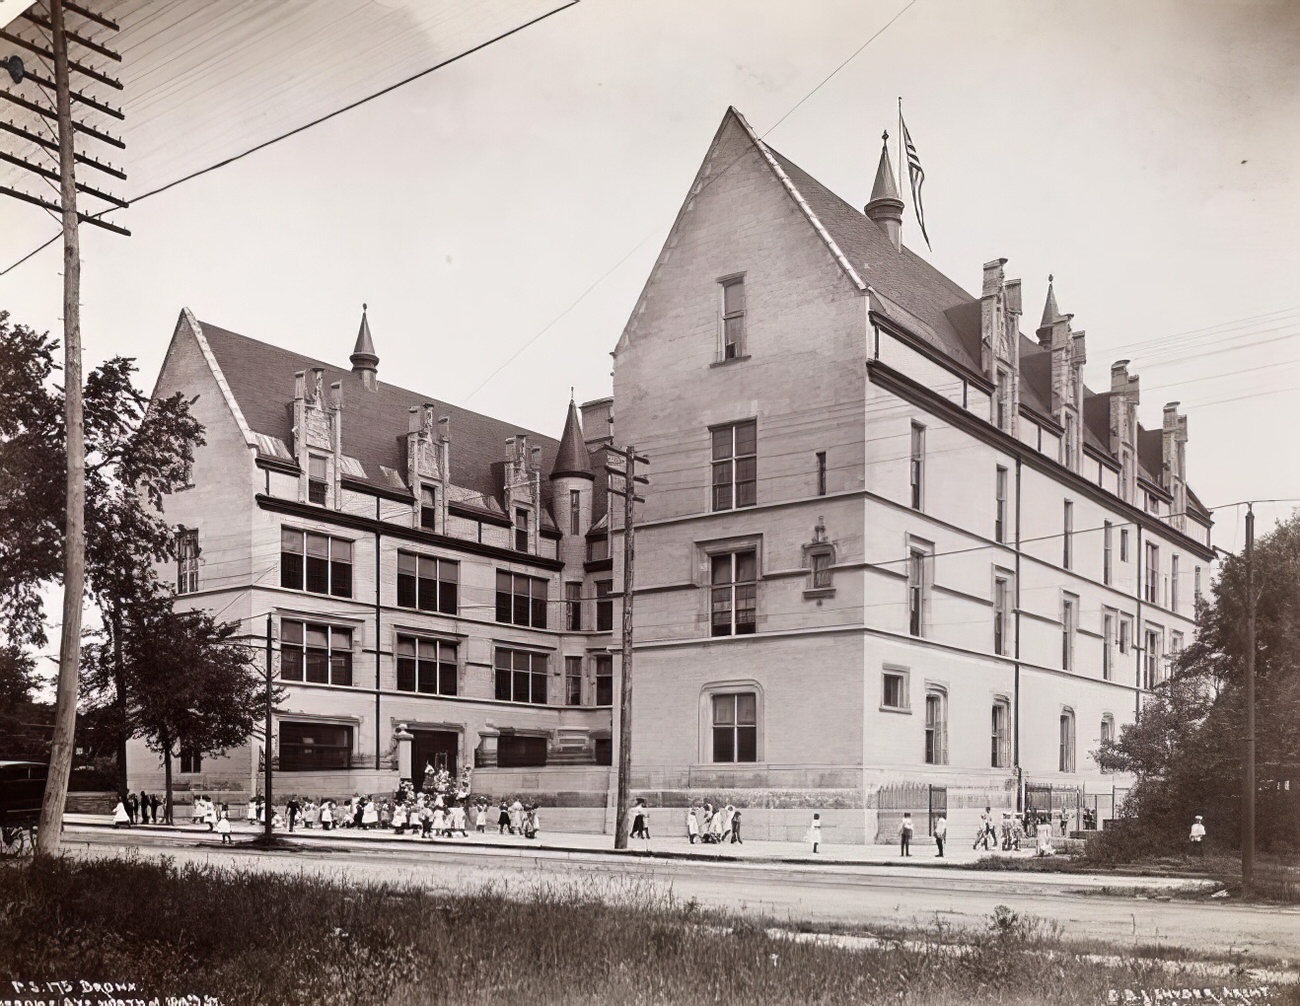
(856, 885)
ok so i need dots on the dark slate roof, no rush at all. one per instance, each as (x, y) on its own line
(261, 378)
(572, 457)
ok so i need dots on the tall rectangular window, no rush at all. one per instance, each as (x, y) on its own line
(191, 761)
(1107, 566)
(1000, 751)
(821, 473)
(1123, 544)
(573, 606)
(1173, 582)
(316, 563)
(1067, 535)
(1152, 573)
(520, 676)
(427, 666)
(521, 600)
(936, 727)
(1151, 675)
(521, 530)
(575, 511)
(604, 605)
(427, 583)
(429, 508)
(1000, 515)
(735, 465)
(1069, 623)
(893, 690)
(1000, 619)
(1196, 584)
(573, 681)
(917, 590)
(821, 569)
(735, 727)
(187, 561)
(1107, 645)
(733, 593)
(1003, 399)
(604, 679)
(317, 480)
(1125, 633)
(733, 318)
(916, 466)
(1065, 761)
(320, 654)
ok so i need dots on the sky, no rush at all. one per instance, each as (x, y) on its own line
(501, 215)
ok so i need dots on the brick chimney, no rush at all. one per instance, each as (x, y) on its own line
(1000, 343)
(1125, 394)
(1173, 450)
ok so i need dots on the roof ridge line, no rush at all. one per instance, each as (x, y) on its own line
(218, 375)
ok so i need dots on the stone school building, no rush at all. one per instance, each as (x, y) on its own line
(895, 555)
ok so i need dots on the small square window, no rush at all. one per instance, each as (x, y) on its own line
(894, 690)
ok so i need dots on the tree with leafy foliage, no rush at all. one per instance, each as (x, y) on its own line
(1187, 748)
(190, 683)
(137, 452)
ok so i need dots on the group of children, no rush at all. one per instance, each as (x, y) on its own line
(709, 825)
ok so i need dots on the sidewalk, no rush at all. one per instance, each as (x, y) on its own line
(668, 848)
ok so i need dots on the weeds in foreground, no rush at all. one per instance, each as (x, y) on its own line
(274, 940)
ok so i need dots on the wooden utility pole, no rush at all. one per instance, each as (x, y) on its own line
(74, 535)
(630, 499)
(267, 837)
(1248, 782)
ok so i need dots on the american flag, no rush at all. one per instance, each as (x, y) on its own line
(917, 176)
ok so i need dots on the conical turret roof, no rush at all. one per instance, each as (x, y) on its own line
(1051, 313)
(571, 457)
(363, 355)
(885, 187)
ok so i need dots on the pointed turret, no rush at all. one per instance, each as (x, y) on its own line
(1051, 313)
(364, 360)
(571, 458)
(885, 207)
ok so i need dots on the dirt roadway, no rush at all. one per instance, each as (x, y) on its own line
(858, 895)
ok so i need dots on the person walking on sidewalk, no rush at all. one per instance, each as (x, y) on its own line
(639, 829)
(692, 824)
(905, 835)
(814, 832)
(940, 833)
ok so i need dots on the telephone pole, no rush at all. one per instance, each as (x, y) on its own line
(1248, 782)
(630, 480)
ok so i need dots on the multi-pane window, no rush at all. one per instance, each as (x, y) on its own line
(1000, 515)
(321, 654)
(733, 318)
(1151, 675)
(604, 605)
(733, 593)
(597, 548)
(1067, 536)
(187, 561)
(1065, 761)
(573, 606)
(1107, 644)
(1000, 752)
(317, 479)
(521, 600)
(573, 681)
(521, 676)
(1152, 577)
(1173, 582)
(1107, 564)
(916, 466)
(316, 563)
(427, 583)
(893, 690)
(429, 508)
(821, 473)
(821, 570)
(735, 465)
(735, 727)
(1069, 622)
(604, 679)
(311, 747)
(521, 530)
(191, 761)
(1000, 615)
(575, 511)
(936, 727)
(426, 665)
(916, 591)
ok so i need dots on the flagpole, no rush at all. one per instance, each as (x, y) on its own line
(900, 142)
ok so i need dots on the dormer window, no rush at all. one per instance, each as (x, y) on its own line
(521, 530)
(317, 480)
(733, 318)
(429, 508)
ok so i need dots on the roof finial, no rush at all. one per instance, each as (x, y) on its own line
(364, 307)
(885, 136)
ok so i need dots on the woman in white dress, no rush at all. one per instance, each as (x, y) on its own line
(120, 817)
(370, 815)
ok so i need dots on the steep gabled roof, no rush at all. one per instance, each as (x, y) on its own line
(261, 379)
